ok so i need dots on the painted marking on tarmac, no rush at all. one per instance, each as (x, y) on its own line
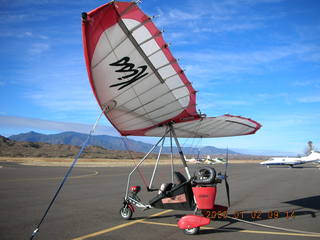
(53, 178)
(242, 231)
(120, 226)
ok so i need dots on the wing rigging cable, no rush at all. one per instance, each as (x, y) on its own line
(130, 65)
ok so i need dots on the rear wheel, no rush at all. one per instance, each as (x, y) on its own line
(126, 212)
(192, 231)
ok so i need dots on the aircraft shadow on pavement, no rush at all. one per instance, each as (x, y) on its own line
(293, 167)
(308, 202)
(305, 167)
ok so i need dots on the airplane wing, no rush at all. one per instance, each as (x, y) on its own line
(134, 75)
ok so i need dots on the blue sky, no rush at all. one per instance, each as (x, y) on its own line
(254, 58)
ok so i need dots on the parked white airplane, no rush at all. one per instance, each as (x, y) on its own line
(210, 160)
(192, 160)
(207, 160)
(291, 161)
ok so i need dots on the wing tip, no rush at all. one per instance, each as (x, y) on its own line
(257, 125)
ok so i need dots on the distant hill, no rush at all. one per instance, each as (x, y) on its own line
(107, 142)
(11, 148)
(74, 138)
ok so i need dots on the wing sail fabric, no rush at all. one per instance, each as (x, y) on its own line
(211, 127)
(133, 73)
(131, 68)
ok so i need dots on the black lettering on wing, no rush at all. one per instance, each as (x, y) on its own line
(132, 74)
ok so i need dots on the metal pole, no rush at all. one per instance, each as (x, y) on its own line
(171, 155)
(84, 144)
(180, 152)
(141, 161)
(156, 166)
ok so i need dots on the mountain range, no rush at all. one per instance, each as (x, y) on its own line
(22, 149)
(107, 142)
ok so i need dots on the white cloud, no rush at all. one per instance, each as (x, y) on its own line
(38, 48)
(9, 18)
(33, 124)
(182, 16)
(63, 98)
(28, 34)
(307, 83)
(209, 63)
(268, 96)
(23, 34)
(227, 27)
(233, 102)
(217, 16)
(204, 104)
(310, 99)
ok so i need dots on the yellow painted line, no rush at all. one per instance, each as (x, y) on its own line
(159, 223)
(53, 178)
(168, 224)
(120, 226)
(87, 175)
(242, 231)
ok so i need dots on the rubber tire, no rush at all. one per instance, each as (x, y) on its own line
(191, 231)
(126, 213)
(211, 178)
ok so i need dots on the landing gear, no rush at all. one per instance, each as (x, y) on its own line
(126, 212)
(191, 231)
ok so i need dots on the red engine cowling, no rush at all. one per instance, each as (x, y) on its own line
(205, 197)
(192, 221)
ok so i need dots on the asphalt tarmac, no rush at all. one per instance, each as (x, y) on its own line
(88, 206)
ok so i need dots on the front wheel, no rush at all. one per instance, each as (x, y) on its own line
(126, 212)
(192, 231)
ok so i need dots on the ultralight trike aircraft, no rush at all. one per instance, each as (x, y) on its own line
(143, 92)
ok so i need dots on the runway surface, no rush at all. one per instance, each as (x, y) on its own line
(88, 206)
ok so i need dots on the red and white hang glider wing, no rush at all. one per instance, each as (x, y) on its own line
(133, 72)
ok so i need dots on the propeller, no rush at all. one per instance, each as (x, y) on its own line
(226, 177)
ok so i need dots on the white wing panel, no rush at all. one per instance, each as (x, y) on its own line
(102, 50)
(130, 23)
(222, 126)
(147, 85)
(159, 59)
(160, 104)
(146, 102)
(168, 71)
(184, 101)
(141, 34)
(115, 35)
(150, 47)
(173, 83)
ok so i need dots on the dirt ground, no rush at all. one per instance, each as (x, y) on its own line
(84, 162)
